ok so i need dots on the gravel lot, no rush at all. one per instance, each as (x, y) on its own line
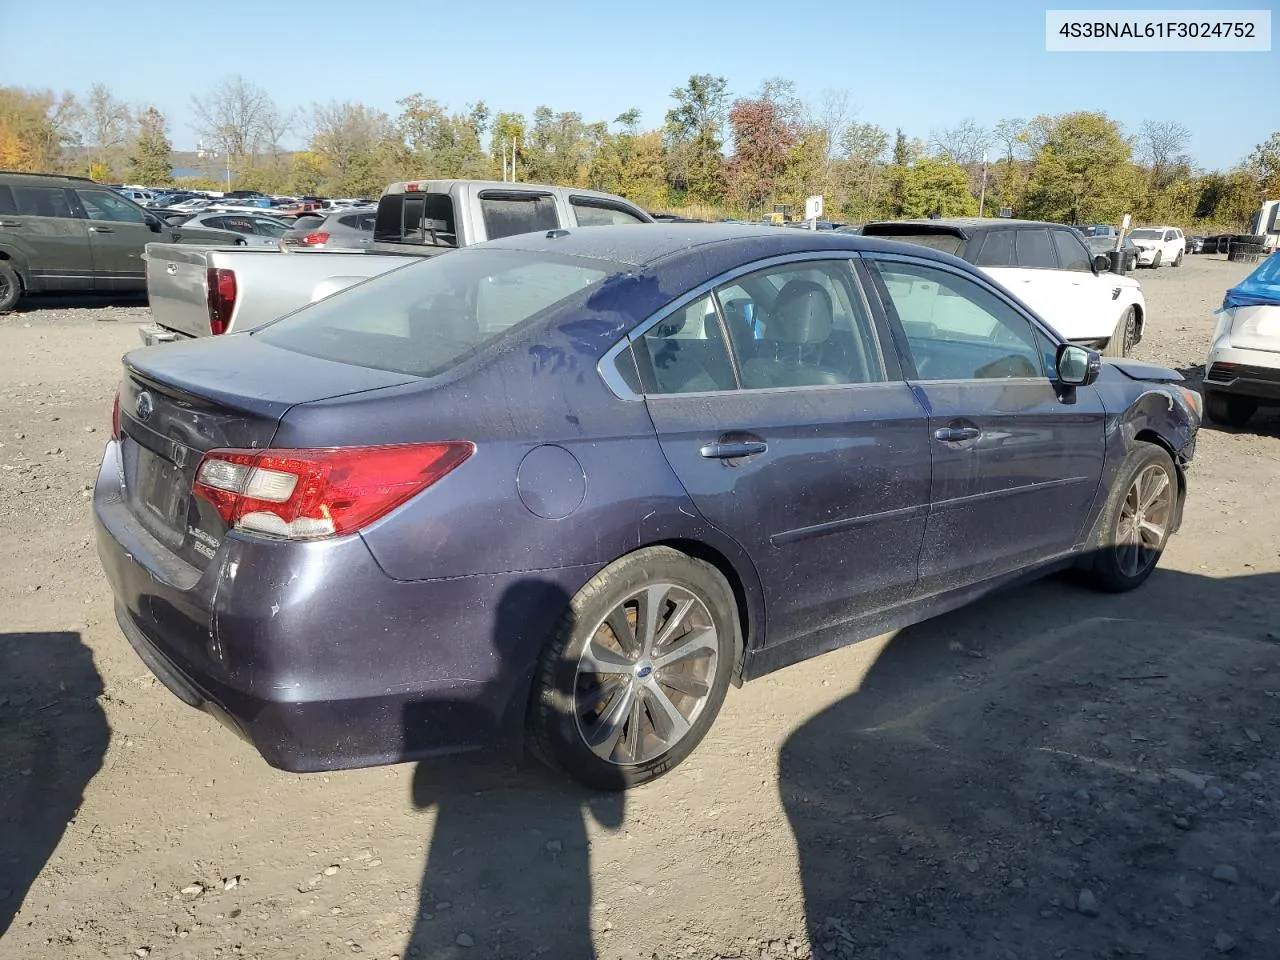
(1050, 773)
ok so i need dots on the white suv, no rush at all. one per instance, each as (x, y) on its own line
(1243, 367)
(1045, 265)
(1159, 245)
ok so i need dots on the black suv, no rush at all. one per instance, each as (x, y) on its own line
(68, 233)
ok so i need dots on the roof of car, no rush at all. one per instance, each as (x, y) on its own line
(47, 176)
(639, 245)
(965, 223)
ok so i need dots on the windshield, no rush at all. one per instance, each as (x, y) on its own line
(1147, 234)
(428, 316)
(946, 242)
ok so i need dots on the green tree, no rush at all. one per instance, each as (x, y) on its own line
(151, 159)
(1084, 170)
(440, 143)
(1264, 163)
(693, 138)
(306, 173)
(936, 185)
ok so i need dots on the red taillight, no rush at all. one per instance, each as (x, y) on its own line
(115, 416)
(221, 284)
(312, 239)
(308, 494)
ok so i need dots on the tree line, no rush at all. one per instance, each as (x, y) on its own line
(714, 154)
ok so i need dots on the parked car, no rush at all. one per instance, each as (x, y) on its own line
(1048, 267)
(1099, 230)
(1195, 244)
(345, 228)
(560, 486)
(257, 231)
(1243, 367)
(1159, 245)
(201, 293)
(1102, 245)
(70, 234)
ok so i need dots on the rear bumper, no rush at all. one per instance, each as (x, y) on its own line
(319, 659)
(1249, 373)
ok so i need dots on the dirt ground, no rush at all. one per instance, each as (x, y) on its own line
(1049, 773)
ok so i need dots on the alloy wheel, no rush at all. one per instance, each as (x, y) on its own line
(1144, 520)
(646, 674)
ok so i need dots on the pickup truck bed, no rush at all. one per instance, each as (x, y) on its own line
(264, 284)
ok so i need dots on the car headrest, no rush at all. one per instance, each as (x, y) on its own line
(801, 314)
(669, 326)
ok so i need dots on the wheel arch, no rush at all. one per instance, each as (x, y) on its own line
(19, 265)
(1148, 435)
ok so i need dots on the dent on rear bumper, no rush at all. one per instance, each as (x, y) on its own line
(318, 658)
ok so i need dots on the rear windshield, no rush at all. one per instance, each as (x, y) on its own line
(946, 242)
(424, 318)
(421, 218)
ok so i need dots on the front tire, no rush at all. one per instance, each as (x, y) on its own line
(637, 673)
(10, 287)
(1177, 261)
(1228, 409)
(1125, 337)
(1155, 262)
(1134, 526)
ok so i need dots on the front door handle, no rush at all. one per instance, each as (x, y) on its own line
(10, 223)
(101, 230)
(732, 449)
(956, 434)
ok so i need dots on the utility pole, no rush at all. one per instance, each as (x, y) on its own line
(982, 197)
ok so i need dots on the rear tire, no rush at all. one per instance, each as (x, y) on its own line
(1177, 261)
(10, 287)
(613, 710)
(1125, 336)
(1155, 262)
(1134, 526)
(1228, 409)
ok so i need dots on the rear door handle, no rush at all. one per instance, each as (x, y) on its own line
(731, 449)
(101, 230)
(956, 434)
(10, 223)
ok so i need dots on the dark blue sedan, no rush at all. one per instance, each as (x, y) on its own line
(565, 489)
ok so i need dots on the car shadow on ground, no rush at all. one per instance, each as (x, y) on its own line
(508, 869)
(998, 761)
(53, 736)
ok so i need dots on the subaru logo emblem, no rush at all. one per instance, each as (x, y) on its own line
(145, 407)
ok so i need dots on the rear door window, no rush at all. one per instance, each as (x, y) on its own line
(506, 214)
(1035, 249)
(6, 200)
(996, 250)
(104, 205)
(595, 214)
(41, 202)
(1072, 254)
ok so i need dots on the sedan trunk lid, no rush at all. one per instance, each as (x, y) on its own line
(179, 401)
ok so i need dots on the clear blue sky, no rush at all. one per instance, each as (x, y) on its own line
(918, 65)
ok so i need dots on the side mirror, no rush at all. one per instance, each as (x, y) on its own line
(1078, 366)
(153, 222)
(1101, 263)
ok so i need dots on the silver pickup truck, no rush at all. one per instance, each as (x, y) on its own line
(198, 291)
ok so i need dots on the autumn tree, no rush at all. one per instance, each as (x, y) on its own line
(860, 170)
(440, 143)
(35, 128)
(1264, 163)
(766, 129)
(150, 159)
(351, 141)
(1162, 150)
